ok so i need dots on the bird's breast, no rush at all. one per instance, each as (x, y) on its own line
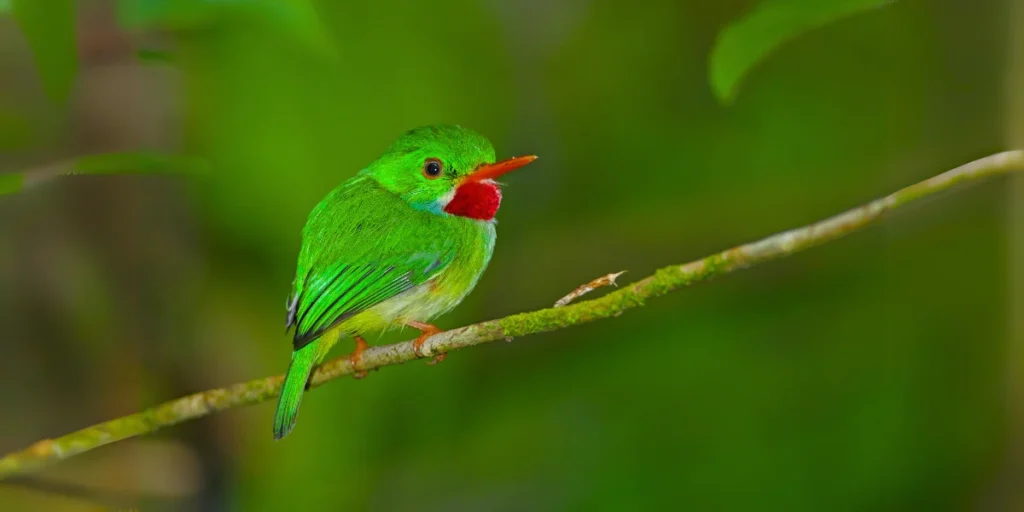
(450, 285)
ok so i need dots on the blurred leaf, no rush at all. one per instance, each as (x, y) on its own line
(154, 56)
(110, 163)
(146, 14)
(298, 17)
(49, 27)
(750, 39)
(137, 163)
(5, 5)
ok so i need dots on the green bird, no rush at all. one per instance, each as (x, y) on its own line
(400, 243)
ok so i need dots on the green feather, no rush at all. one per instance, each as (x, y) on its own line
(291, 392)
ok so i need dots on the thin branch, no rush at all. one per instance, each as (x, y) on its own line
(583, 289)
(634, 295)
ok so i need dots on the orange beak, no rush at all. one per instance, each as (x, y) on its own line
(491, 171)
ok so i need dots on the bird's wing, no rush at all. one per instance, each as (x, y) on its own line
(369, 255)
(333, 295)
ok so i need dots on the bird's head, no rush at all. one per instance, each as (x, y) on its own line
(444, 169)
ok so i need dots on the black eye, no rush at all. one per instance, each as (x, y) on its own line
(432, 168)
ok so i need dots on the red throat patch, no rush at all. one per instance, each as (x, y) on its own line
(476, 200)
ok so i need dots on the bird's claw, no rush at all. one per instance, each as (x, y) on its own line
(417, 344)
(426, 331)
(356, 358)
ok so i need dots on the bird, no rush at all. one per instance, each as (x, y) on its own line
(398, 244)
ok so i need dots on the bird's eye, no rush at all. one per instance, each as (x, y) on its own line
(432, 168)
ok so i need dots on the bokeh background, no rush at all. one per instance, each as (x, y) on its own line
(878, 372)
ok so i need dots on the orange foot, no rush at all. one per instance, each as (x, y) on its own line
(426, 331)
(356, 357)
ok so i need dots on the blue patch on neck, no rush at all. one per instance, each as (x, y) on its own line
(428, 206)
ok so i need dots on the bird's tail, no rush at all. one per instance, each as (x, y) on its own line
(294, 386)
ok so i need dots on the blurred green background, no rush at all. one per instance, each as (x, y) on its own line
(873, 373)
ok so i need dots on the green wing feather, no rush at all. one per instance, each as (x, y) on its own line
(362, 246)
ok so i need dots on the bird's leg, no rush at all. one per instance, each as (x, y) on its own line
(426, 331)
(356, 357)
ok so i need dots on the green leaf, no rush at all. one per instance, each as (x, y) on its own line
(152, 56)
(748, 40)
(49, 28)
(168, 14)
(109, 163)
(298, 17)
(137, 163)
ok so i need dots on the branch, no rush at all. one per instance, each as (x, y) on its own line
(634, 295)
(583, 289)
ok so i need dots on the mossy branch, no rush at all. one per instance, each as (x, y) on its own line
(661, 282)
